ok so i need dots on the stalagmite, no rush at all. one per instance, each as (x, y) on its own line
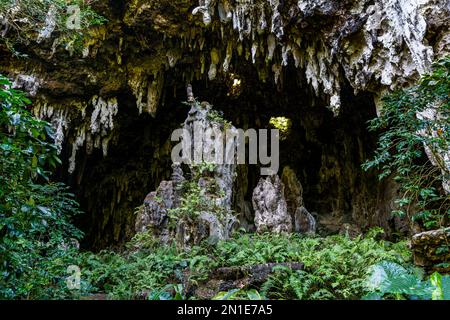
(303, 221)
(270, 206)
(213, 223)
(360, 49)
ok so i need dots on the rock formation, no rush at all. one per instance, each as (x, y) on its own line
(293, 190)
(270, 206)
(303, 221)
(228, 278)
(168, 212)
(154, 213)
(431, 248)
(115, 95)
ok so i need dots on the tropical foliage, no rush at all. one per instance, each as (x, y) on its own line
(24, 21)
(37, 240)
(414, 144)
(389, 280)
(334, 268)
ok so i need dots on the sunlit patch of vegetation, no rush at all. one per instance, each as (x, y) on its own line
(283, 124)
(235, 85)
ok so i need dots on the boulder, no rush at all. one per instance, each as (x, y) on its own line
(293, 190)
(270, 206)
(431, 248)
(304, 221)
(154, 213)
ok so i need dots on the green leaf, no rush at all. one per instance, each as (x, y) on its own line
(436, 281)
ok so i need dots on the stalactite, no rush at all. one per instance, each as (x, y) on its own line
(96, 133)
(254, 51)
(28, 82)
(155, 89)
(215, 59)
(205, 9)
(271, 45)
(225, 13)
(407, 25)
(228, 57)
(373, 46)
(78, 143)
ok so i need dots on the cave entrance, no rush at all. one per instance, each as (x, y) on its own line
(325, 152)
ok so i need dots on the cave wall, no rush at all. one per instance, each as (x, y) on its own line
(323, 64)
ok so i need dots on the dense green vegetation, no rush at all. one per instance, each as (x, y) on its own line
(38, 242)
(390, 280)
(335, 267)
(401, 153)
(36, 237)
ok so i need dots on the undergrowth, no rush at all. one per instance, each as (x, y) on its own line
(335, 267)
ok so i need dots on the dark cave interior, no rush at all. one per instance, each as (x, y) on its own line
(326, 152)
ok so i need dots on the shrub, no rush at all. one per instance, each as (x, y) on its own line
(24, 20)
(37, 240)
(411, 119)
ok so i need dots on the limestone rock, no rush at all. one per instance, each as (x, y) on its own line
(215, 221)
(293, 190)
(208, 226)
(154, 213)
(190, 232)
(304, 221)
(270, 206)
(374, 46)
(240, 202)
(431, 247)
